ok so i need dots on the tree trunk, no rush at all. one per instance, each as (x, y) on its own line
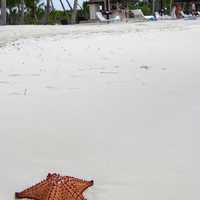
(3, 12)
(53, 8)
(69, 5)
(170, 6)
(74, 12)
(63, 6)
(22, 12)
(34, 15)
(153, 6)
(47, 12)
(79, 6)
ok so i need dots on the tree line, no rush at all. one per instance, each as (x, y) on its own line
(37, 12)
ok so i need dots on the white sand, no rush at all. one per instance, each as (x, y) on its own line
(119, 104)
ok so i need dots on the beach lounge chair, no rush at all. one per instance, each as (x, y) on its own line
(138, 14)
(164, 17)
(187, 17)
(101, 18)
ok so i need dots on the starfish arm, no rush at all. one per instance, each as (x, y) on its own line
(57, 187)
(35, 192)
(71, 193)
(52, 194)
(58, 193)
(79, 185)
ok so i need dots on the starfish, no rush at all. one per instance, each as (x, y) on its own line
(56, 187)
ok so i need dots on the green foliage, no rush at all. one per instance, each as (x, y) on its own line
(145, 7)
(85, 11)
(35, 11)
(12, 3)
(57, 16)
(147, 10)
(166, 4)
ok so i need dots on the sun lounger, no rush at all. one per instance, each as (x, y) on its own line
(138, 14)
(164, 17)
(101, 18)
(187, 17)
(184, 15)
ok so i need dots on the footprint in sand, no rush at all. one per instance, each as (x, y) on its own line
(14, 75)
(51, 87)
(76, 76)
(81, 69)
(43, 70)
(96, 68)
(24, 93)
(34, 75)
(163, 68)
(143, 83)
(4, 82)
(111, 72)
(16, 94)
(74, 88)
(105, 58)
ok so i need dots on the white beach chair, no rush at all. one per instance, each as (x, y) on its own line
(138, 14)
(101, 18)
(164, 17)
(187, 17)
(184, 15)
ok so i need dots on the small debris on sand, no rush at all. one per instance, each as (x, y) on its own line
(15, 75)
(145, 67)
(25, 91)
(164, 68)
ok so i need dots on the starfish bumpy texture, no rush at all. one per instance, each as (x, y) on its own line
(56, 187)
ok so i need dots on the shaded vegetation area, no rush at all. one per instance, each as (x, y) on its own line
(37, 12)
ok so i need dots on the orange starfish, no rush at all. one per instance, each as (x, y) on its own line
(56, 187)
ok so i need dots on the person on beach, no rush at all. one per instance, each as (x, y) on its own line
(193, 8)
(178, 11)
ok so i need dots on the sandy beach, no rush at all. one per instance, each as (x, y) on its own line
(117, 103)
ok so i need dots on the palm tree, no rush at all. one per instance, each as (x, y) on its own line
(69, 5)
(63, 6)
(33, 7)
(170, 6)
(153, 6)
(47, 12)
(53, 8)
(3, 12)
(74, 12)
(22, 12)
